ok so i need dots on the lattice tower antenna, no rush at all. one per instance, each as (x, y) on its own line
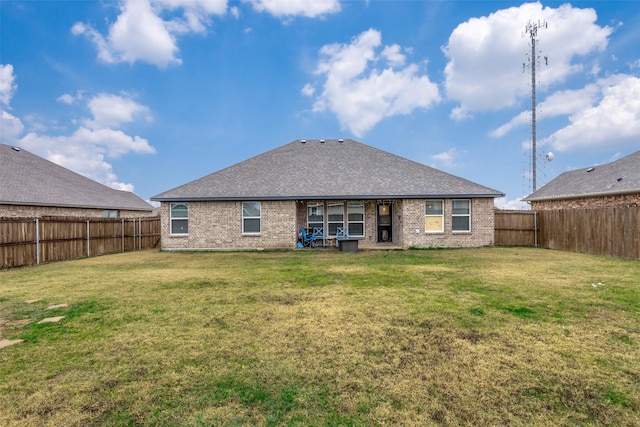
(532, 31)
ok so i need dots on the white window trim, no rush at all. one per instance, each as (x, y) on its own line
(433, 216)
(171, 218)
(363, 222)
(457, 215)
(252, 233)
(315, 205)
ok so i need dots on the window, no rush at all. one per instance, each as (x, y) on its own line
(461, 215)
(355, 219)
(315, 216)
(434, 216)
(251, 217)
(179, 218)
(110, 213)
(335, 217)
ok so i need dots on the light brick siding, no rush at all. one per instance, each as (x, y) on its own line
(218, 225)
(413, 226)
(22, 211)
(617, 200)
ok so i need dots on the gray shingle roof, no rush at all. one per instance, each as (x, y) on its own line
(27, 179)
(619, 177)
(333, 169)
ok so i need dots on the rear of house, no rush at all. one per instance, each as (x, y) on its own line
(382, 200)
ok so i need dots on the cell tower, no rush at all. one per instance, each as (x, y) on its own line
(532, 31)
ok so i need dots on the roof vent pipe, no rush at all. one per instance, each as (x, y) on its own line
(322, 141)
(341, 141)
(303, 141)
(15, 148)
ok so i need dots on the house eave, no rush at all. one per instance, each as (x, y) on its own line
(62, 205)
(329, 197)
(580, 196)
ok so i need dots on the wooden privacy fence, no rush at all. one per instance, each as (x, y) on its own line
(609, 231)
(34, 241)
(516, 228)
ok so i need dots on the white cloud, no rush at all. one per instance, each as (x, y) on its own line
(603, 113)
(69, 99)
(612, 121)
(141, 34)
(308, 90)
(560, 103)
(393, 55)
(113, 110)
(66, 99)
(447, 158)
(84, 151)
(361, 94)
(10, 128)
(288, 8)
(7, 84)
(517, 204)
(484, 72)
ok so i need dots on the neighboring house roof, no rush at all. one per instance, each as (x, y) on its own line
(27, 179)
(326, 169)
(619, 177)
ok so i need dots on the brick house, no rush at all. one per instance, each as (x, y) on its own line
(33, 187)
(384, 201)
(612, 184)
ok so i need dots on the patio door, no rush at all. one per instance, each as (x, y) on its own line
(384, 214)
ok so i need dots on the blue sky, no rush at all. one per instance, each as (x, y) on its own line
(146, 95)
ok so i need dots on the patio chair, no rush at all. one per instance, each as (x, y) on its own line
(318, 233)
(308, 240)
(341, 233)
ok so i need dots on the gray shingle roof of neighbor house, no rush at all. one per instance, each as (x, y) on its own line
(619, 177)
(27, 179)
(326, 169)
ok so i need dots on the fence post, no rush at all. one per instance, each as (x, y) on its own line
(122, 234)
(88, 239)
(37, 241)
(535, 228)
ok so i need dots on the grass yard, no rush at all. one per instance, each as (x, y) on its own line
(481, 337)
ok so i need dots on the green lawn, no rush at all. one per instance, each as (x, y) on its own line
(479, 337)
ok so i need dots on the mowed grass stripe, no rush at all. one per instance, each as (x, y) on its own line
(493, 336)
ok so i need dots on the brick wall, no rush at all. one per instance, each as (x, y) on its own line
(22, 211)
(218, 225)
(413, 226)
(617, 200)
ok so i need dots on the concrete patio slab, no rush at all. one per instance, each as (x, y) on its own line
(51, 319)
(63, 305)
(7, 343)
